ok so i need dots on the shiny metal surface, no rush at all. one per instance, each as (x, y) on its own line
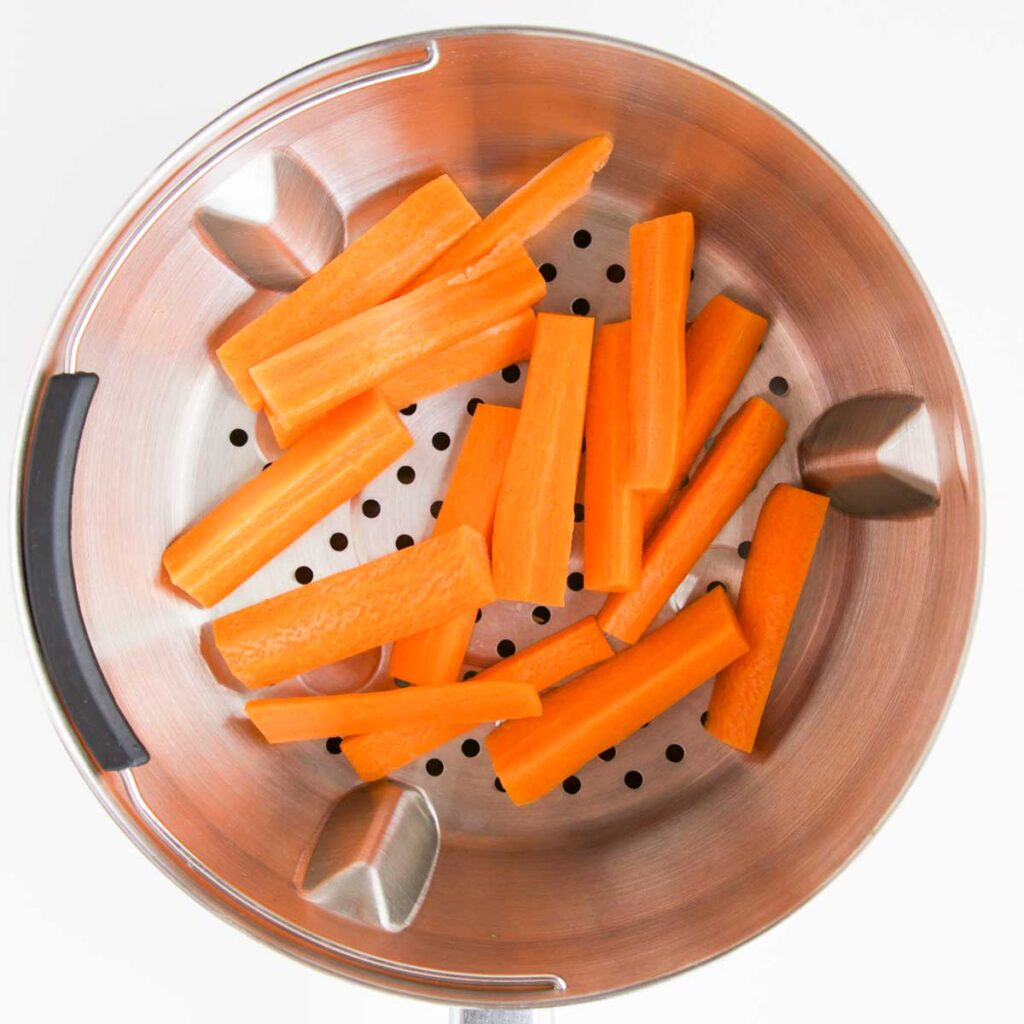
(275, 222)
(374, 856)
(611, 886)
(875, 455)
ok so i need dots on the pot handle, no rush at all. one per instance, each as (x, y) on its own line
(510, 1015)
(50, 577)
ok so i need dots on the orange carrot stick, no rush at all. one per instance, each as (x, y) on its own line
(547, 662)
(356, 610)
(720, 346)
(533, 522)
(602, 707)
(725, 476)
(531, 208)
(613, 527)
(502, 345)
(326, 468)
(435, 655)
(773, 579)
(660, 256)
(307, 380)
(493, 349)
(372, 269)
(287, 719)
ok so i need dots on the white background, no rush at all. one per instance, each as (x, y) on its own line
(921, 102)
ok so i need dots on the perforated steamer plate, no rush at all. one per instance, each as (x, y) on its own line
(671, 848)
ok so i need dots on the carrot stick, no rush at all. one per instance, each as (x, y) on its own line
(723, 479)
(508, 342)
(773, 579)
(482, 353)
(372, 269)
(435, 655)
(720, 346)
(287, 719)
(547, 662)
(660, 256)
(529, 209)
(613, 528)
(355, 610)
(325, 469)
(600, 708)
(533, 522)
(308, 379)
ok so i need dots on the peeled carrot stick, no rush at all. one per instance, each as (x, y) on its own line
(547, 662)
(660, 257)
(435, 655)
(529, 209)
(358, 609)
(502, 345)
(326, 468)
(724, 477)
(720, 346)
(773, 578)
(613, 527)
(287, 438)
(533, 522)
(307, 380)
(602, 707)
(482, 353)
(372, 269)
(287, 719)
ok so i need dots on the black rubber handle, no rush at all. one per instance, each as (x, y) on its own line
(50, 576)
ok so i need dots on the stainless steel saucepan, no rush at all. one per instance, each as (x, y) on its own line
(672, 848)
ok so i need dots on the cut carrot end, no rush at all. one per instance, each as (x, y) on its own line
(286, 438)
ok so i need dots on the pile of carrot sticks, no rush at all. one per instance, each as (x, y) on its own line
(434, 295)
